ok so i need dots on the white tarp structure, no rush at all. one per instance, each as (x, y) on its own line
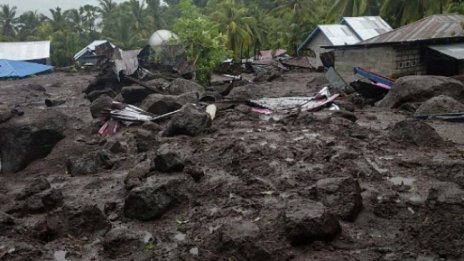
(161, 37)
(25, 51)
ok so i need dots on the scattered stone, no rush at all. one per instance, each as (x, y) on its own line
(341, 195)
(37, 185)
(169, 162)
(161, 104)
(191, 120)
(239, 238)
(136, 175)
(115, 147)
(306, 221)
(77, 220)
(421, 88)
(145, 140)
(100, 105)
(265, 74)
(152, 200)
(30, 137)
(92, 96)
(180, 86)
(439, 105)
(346, 115)
(195, 172)
(416, 132)
(121, 242)
(6, 220)
(135, 94)
(84, 165)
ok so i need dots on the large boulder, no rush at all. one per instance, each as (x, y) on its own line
(161, 104)
(417, 133)
(306, 221)
(135, 94)
(77, 219)
(30, 137)
(191, 120)
(341, 195)
(100, 105)
(180, 86)
(421, 88)
(439, 105)
(152, 200)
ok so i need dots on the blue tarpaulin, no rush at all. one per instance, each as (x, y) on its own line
(15, 69)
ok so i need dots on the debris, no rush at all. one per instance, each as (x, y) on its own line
(372, 91)
(451, 117)
(130, 113)
(374, 77)
(335, 79)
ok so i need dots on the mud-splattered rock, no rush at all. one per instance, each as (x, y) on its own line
(135, 94)
(161, 104)
(180, 86)
(239, 239)
(36, 186)
(306, 221)
(100, 105)
(84, 165)
(341, 195)
(137, 174)
(152, 200)
(5, 220)
(191, 120)
(169, 162)
(417, 133)
(421, 88)
(30, 137)
(195, 172)
(115, 147)
(122, 242)
(439, 105)
(77, 219)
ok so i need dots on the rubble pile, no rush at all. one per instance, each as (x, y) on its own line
(141, 164)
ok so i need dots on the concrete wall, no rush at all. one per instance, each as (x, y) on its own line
(315, 45)
(381, 60)
(388, 61)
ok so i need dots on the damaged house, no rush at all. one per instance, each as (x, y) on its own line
(432, 46)
(351, 30)
(89, 55)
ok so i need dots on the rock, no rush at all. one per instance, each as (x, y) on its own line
(145, 140)
(239, 238)
(421, 88)
(152, 200)
(135, 94)
(265, 74)
(341, 195)
(92, 96)
(99, 105)
(41, 202)
(180, 86)
(417, 133)
(195, 172)
(439, 105)
(37, 185)
(121, 242)
(306, 221)
(169, 162)
(445, 193)
(137, 174)
(115, 147)
(6, 220)
(191, 120)
(77, 220)
(30, 137)
(52, 199)
(160, 84)
(85, 165)
(161, 104)
(346, 115)
(5, 113)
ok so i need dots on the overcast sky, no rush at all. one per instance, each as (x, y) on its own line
(43, 6)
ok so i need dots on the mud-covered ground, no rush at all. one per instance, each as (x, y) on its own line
(250, 187)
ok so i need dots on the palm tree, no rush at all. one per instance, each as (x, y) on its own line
(106, 7)
(8, 20)
(154, 12)
(400, 12)
(28, 23)
(353, 8)
(235, 23)
(58, 20)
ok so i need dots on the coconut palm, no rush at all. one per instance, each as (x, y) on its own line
(106, 7)
(28, 23)
(353, 8)
(400, 12)
(8, 20)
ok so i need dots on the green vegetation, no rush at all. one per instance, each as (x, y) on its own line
(210, 28)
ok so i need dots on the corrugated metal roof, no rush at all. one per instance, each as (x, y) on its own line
(432, 27)
(452, 50)
(339, 34)
(366, 27)
(90, 48)
(13, 69)
(24, 51)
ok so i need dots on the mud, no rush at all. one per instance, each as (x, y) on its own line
(240, 180)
